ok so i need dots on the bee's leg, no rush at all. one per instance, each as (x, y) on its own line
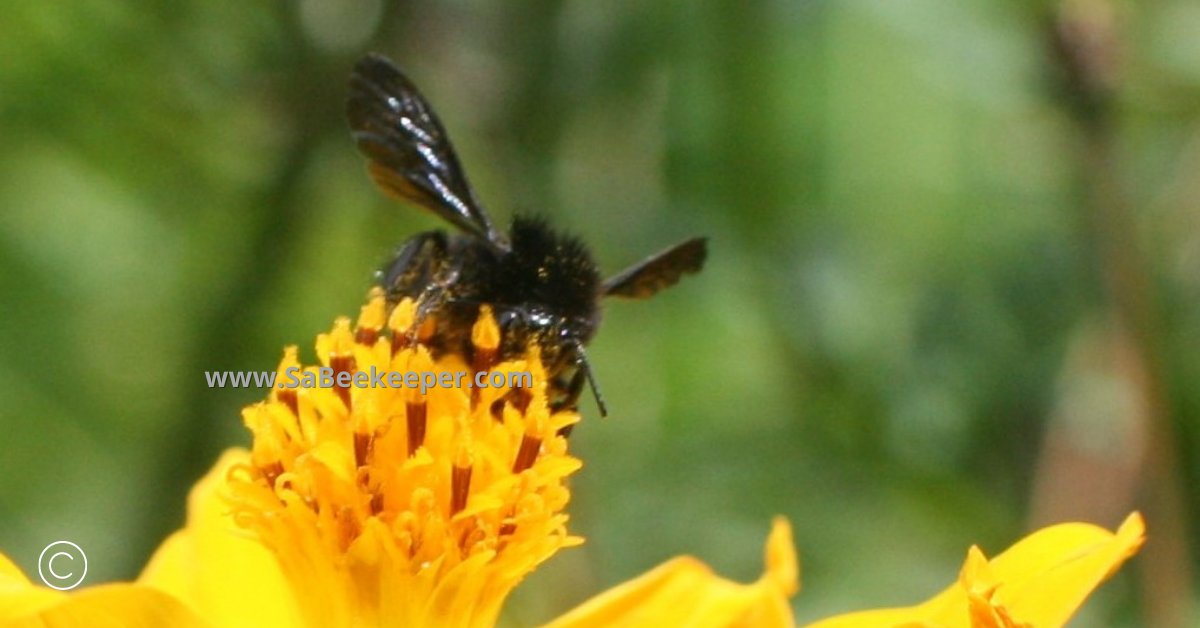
(415, 266)
(572, 391)
(419, 271)
(428, 304)
(570, 398)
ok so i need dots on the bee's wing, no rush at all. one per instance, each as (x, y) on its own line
(411, 155)
(659, 271)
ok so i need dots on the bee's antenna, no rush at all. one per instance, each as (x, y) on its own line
(586, 367)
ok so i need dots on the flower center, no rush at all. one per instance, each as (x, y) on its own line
(405, 506)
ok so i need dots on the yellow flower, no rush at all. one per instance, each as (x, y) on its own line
(1038, 583)
(388, 507)
(374, 507)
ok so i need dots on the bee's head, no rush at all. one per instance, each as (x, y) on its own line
(558, 336)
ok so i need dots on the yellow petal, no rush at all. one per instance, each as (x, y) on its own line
(26, 605)
(216, 569)
(685, 593)
(111, 606)
(1042, 580)
(10, 573)
(1047, 576)
(20, 597)
(783, 567)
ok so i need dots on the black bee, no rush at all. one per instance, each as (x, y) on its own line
(543, 286)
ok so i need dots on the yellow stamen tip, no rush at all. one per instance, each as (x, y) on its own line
(372, 318)
(486, 333)
(403, 316)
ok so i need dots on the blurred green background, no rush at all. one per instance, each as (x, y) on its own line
(951, 293)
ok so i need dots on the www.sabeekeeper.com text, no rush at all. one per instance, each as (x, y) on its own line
(324, 377)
